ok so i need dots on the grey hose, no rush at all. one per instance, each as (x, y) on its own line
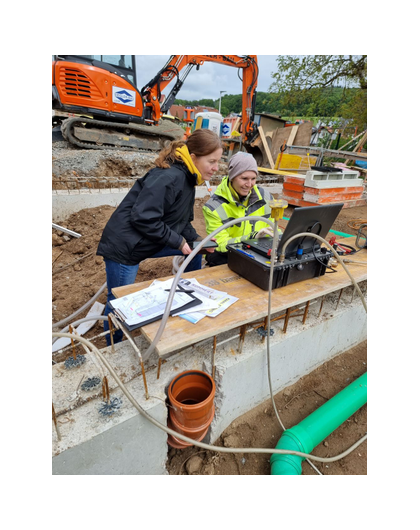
(187, 260)
(93, 299)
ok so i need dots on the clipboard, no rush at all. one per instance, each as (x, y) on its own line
(193, 301)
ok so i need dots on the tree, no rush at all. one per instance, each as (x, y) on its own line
(316, 77)
(320, 71)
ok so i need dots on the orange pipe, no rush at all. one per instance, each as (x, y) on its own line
(191, 397)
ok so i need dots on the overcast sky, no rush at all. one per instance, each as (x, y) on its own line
(209, 80)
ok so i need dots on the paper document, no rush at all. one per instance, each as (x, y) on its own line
(214, 302)
(147, 305)
(223, 302)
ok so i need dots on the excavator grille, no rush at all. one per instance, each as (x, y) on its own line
(74, 82)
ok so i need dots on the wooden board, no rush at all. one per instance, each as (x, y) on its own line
(251, 306)
(266, 147)
(292, 136)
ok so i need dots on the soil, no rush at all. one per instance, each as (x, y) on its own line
(78, 274)
(260, 427)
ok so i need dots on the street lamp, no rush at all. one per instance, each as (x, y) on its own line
(220, 100)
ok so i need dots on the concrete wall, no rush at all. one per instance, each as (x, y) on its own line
(242, 382)
(65, 203)
(129, 444)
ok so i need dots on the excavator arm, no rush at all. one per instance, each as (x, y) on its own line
(96, 100)
(152, 92)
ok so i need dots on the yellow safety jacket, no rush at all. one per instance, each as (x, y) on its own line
(225, 205)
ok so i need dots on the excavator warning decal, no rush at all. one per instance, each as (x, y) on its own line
(123, 96)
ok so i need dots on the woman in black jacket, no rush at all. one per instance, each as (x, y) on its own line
(154, 218)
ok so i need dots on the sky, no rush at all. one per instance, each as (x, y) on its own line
(209, 80)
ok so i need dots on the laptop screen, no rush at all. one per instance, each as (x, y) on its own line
(315, 219)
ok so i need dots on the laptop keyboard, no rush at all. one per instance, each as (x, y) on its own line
(265, 244)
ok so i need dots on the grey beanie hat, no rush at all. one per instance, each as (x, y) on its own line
(240, 163)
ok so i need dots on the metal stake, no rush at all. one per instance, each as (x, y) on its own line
(213, 365)
(72, 343)
(54, 417)
(286, 320)
(241, 338)
(158, 370)
(111, 333)
(339, 298)
(133, 344)
(305, 314)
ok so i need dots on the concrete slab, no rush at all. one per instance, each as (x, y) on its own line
(344, 179)
(127, 443)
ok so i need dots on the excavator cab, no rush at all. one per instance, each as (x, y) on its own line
(98, 86)
(96, 102)
(124, 65)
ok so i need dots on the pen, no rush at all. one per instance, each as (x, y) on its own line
(246, 253)
(181, 290)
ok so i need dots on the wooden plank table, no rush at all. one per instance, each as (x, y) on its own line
(252, 304)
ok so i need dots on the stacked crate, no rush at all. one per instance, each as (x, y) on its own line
(316, 188)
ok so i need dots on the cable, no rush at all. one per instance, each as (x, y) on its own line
(321, 262)
(273, 254)
(163, 324)
(80, 321)
(93, 299)
(282, 258)
(187, 260)
(208, 447)
(355, 224)
(270, 285)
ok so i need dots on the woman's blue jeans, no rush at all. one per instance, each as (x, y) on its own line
(118, 275)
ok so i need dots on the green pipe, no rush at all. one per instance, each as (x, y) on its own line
(341, 234)
(310, 432)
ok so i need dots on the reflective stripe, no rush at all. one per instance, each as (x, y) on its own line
(220, 211)
(256, 206)
(215, 202)
(224, 221)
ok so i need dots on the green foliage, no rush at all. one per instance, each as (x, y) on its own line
(313, 105)
(323, 85)
(319, 86)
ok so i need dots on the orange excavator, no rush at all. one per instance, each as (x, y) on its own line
(96, 101)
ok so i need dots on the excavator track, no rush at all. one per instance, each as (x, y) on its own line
(95, 134)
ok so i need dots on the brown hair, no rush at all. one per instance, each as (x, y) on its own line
(201, 142)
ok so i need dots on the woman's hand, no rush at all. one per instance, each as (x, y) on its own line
(186, 249)
(265, 232)
(210, 250)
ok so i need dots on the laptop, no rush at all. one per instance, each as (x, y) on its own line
(312, 219)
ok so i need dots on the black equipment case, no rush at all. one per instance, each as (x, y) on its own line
(256, 268)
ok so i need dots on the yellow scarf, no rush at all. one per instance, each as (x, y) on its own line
(184, 155)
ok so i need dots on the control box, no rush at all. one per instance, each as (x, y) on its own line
(256, 268)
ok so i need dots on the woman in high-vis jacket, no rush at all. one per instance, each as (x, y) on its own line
(237, 196)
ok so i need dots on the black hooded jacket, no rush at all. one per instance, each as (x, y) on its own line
(156, 212)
